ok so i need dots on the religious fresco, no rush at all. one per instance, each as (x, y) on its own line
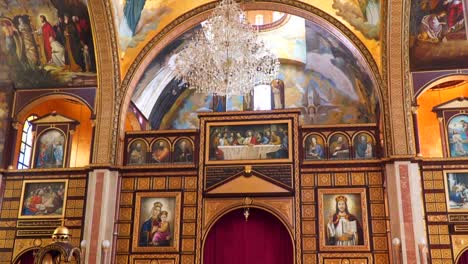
(364, 16)
(5, 97)
(328, 82)
(438, 35)
(457, 132)
(139, 21)
(47, 43)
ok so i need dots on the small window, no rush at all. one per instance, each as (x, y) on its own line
(259, 20)
(262, 97)
(277, 16)
(24, 158)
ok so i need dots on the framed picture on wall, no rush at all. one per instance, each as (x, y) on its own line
(183, 150)
(136, 152)
(456, 190)
(43, 199)
(161, 151)
(50, 149)
(343, 219)
(457, 133)
(314, 147)
(156, 222)
(364, 145)
(248, 142)
(338, 145)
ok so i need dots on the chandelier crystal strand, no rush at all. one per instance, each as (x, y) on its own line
(226, 57)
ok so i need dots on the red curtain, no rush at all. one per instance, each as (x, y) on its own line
(263, 239)
(463, 258)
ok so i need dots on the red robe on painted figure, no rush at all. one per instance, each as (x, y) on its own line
(47, 32)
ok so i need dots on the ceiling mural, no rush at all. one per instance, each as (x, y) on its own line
(47, 43)
(438, 35)
(138, 21)
(323, 76)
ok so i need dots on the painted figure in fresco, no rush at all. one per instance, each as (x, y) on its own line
(363, 148)
(137, 156)
(162, 231)
(42, 158)
(247, 101)
(10, 33)
(58, 52)
(33, 203)
(339, 149)
(46, 30)
(315, 150)
(73, 46)
(219, 103)
(43, 200)
(343, 228)
(150, 226)
(249, 138)
(132, 15)
(30, 46)
(59, 29)
(454, 14)
(58, 153)
(372, 12)
(161, 152)
(183, 151)
(275, 139)
(458, 143)
(282, 153)
(432, 27)
(277, 94)
(464, 125)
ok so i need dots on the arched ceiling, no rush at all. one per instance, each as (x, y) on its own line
(323, 73)
(146, 19)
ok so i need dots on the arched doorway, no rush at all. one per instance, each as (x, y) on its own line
(26, 258)
(463, 259)
(262, 239)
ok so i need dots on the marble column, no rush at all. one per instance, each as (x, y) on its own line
(100, 213)
(406, 208)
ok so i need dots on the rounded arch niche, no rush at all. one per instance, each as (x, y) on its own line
(261, 239)
(364, 102)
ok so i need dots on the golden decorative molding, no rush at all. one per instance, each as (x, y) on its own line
(108, 79)
(22, 245)
(399, 84)
(343, 258)
(154, 258)
(281, 207)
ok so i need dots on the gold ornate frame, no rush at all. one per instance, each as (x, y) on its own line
(446, 124)
(373, 141)
(23, 189)
(128, 152)
(65, 146)
(209, 125)
(150, 150)
(364, 223)
(136, 221)
(304, 148)
(447, 196)
(329, 142)
(173, 148)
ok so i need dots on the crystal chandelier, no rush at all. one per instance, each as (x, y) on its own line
(226, 57)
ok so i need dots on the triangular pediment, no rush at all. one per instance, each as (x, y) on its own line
(53, 118)
(248, 184)
(460, 102)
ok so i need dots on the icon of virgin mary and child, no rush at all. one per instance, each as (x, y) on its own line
(156, 230)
